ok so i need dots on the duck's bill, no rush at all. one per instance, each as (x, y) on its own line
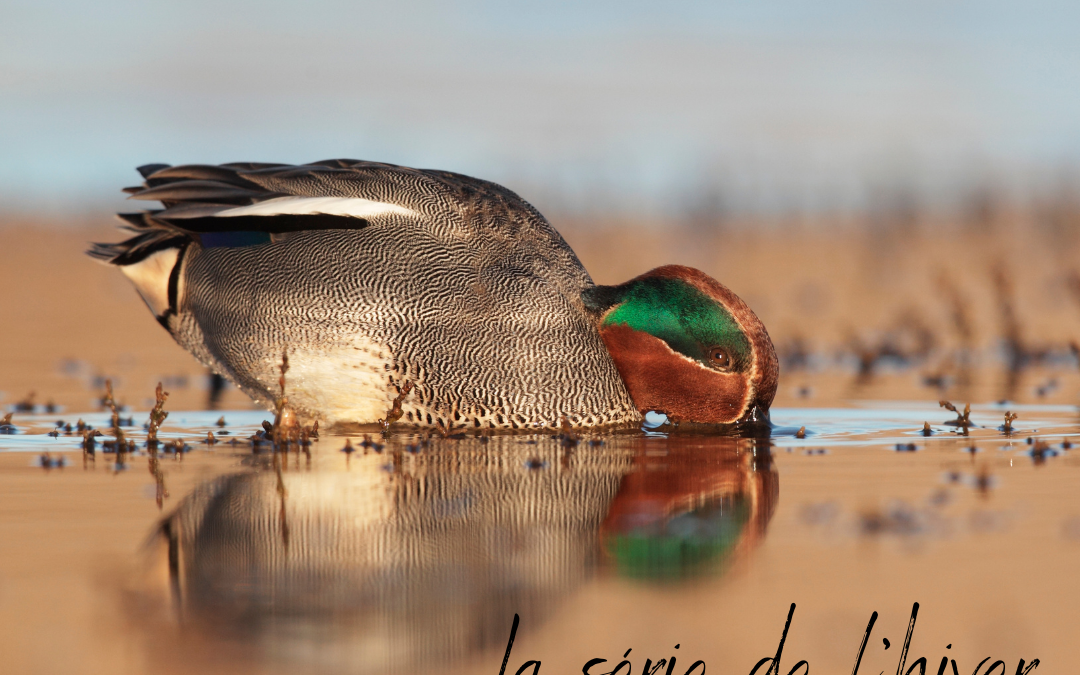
(754, 422)
(756, 414)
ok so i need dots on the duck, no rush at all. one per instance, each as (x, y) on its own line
(426, 298)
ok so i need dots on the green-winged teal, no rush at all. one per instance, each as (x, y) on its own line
(371, 276)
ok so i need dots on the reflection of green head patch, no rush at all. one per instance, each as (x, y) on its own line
(680, 546)
(689, 321)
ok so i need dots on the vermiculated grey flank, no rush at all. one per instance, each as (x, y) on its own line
(458, 286)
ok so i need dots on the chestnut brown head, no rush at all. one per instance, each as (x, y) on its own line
(686, 346)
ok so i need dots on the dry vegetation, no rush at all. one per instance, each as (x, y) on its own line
(942, 296)
(858, 296)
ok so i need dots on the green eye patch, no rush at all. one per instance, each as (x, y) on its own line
(688, 320)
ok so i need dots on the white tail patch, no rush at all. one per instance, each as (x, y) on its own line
(330, 206)
(151, 278)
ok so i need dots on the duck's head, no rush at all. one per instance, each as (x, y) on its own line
(687, 346)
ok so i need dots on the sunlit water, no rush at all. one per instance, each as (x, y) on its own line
(410, 556)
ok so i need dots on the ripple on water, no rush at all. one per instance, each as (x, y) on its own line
(413, 551)
(32, 431)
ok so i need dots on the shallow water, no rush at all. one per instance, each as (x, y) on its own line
(411, 557)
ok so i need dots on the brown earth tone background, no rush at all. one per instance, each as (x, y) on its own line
(860, 308)
(849, 295)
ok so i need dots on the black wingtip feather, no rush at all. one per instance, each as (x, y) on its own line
(252, 166)
(146, 170)
(137, 248)
(207, 172)
(335, 163)
(200, 191)
(104, 252)
(136, 219)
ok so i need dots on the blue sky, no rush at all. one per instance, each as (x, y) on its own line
(590, 106)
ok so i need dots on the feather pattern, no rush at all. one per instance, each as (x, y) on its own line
(380, 275)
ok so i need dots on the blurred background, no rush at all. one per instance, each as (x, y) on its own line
(893, 187)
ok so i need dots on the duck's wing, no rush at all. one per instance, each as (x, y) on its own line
(247, 203)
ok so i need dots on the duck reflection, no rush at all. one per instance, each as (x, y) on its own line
(397, 560)
(690, 508)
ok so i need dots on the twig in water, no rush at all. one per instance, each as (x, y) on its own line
(120, 444)
(963, 419)
(395, 412)
(157, 416)
(1008, 427)
(284, 428)
(567, 437)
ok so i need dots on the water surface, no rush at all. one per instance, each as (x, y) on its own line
(413, 554)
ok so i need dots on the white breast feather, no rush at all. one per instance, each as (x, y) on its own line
(345, 382)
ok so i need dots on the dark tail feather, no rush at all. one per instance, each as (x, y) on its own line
(147, 169)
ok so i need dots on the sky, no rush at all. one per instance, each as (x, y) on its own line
(589, 106)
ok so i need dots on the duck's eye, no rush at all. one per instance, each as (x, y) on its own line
(720, 358)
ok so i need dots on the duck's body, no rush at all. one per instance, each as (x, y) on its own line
(372, 276)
